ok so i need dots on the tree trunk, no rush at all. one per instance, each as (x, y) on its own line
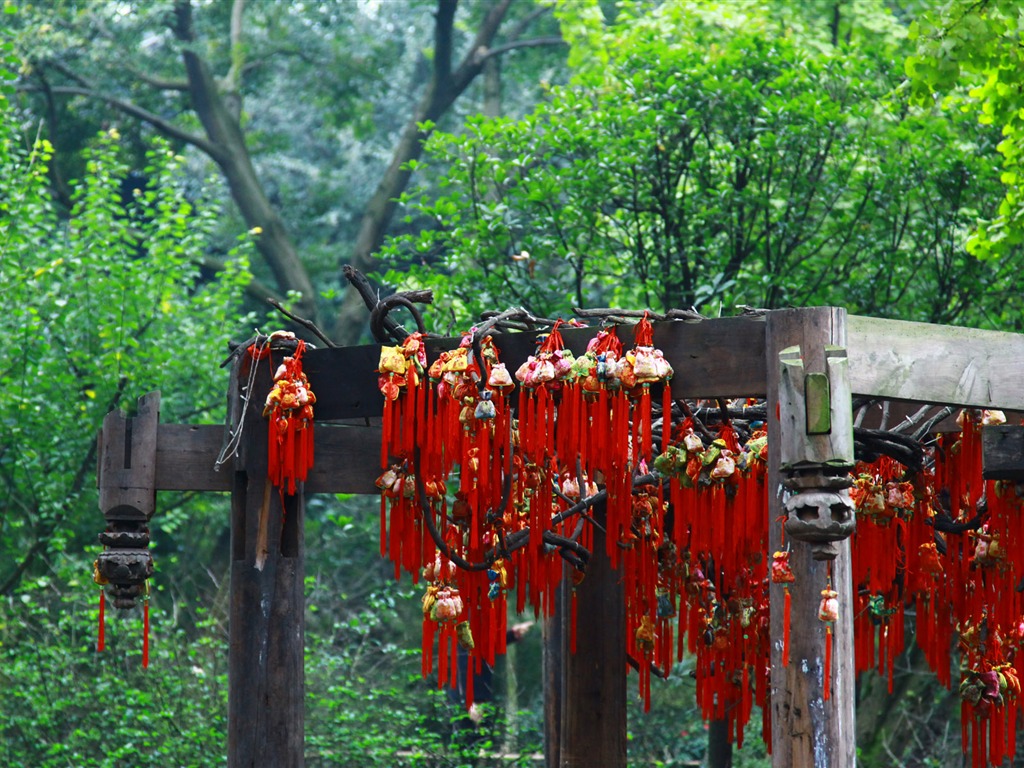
(233, 158)
(445, 87)
(229, 151)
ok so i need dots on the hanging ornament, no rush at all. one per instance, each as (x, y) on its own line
(289, 406)
(930, 563)
(782, 573)
(828, 612)
(638, 369)
(101, 581)
(645, 635)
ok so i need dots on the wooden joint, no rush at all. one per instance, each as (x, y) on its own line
(127, 462)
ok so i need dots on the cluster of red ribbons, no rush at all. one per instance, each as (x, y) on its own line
(467, 484)
(480, 492)
(289, 408)
(948, 543)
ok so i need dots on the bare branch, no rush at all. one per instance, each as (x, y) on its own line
(535, 42)
(307, 324)
(234, 75)
(443, 26)
(68, 72)
(161, 84)
(524, 23)
(165, 127)
(473, 63)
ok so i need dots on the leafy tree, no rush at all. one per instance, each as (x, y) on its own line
(102, 306)
(976, 46)
(770, 172)
(101, 309)
(202, 77)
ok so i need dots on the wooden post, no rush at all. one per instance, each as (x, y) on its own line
(593, 680)
(807, 730)
(265, 659)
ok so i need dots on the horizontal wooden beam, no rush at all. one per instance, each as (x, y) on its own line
(347, 459)
(941, 364)
(724, 357)
(711, 358)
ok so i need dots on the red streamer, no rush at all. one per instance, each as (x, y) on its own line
(101, 643)
(827, 670)
(145, 630)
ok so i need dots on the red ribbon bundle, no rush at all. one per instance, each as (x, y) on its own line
(289, 407)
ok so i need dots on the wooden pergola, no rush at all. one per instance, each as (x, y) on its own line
(585, 692)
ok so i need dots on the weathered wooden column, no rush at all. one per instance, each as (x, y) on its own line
(553, 660)
(585, 691)
(265, 660)
(809, 731)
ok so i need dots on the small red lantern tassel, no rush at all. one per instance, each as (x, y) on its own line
(427, 648)
(101, 641)
(995, 738)
(645, 416)
(827, 672)
(145, 629)
(666, 416)
(785, 626)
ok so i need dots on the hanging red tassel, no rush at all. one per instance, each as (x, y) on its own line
(827, 672)
(472, 662)
(782, 573)
(666, 416)
(289, 407)
(828, 612)
(101, 639)
(145, 629)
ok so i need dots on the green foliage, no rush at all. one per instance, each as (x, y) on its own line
(976, 46)
(367, 703)
(101, 307)
(711, 162)
(64, 704)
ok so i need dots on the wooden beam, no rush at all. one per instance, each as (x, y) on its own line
(347, 459)
(807, 730)
(939, 364)
(711, 358)
(725, 357)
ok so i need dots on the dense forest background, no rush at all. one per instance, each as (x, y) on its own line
(167, 166)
